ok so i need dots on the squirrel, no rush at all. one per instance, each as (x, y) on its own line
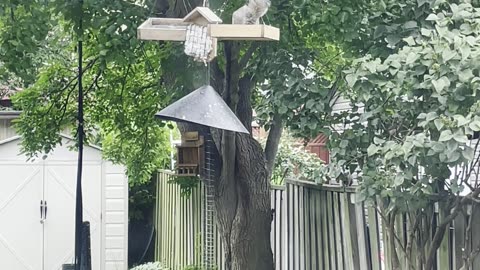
(251, 12)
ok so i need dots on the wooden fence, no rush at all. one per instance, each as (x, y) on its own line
(314, 227)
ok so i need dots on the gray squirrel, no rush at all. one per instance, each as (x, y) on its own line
(251, 12)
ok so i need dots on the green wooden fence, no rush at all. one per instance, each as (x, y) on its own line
(314, 227)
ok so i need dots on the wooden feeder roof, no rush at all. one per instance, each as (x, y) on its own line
(203, 12)
(203, 106)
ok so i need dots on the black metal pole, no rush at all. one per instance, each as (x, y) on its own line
(80, 134)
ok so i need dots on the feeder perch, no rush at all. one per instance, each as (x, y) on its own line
(176, 29)
(190, 155)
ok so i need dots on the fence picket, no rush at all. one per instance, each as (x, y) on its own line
(301, 229)
(475, 234)
(313, 227)
(290, 246)
(443, 262)
(331, 231)
(374, 238)
(325, 239)
(345, 226)
(459, 241)
(362, 239)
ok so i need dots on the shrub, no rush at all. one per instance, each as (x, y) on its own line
(294, 161)
(150, 266)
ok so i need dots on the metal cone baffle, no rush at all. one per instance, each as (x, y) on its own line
(203, 106)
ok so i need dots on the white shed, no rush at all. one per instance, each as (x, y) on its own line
(35, 240)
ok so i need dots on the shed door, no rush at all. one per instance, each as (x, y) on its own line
(25, 242)
(60, 179)
(21, 234)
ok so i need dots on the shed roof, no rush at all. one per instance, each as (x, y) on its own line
(64, 137)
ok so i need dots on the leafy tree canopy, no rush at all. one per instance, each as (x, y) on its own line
(126, 79)
(121, 76)
(407, 138)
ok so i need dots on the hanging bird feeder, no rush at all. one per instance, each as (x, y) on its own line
(190, 155)
(201, 29)
(206, 107)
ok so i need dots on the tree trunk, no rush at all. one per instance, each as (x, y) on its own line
(243, 191)
(251, 227)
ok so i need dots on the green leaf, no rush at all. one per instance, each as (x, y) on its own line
(377, 140)
(446, 135)
(441, 84)
(453, 156)
(438, 124)
(432, 17)
(310, 103)
(461, 120)
(412, 160)
(468, 153)
(475, 125)
(438, 147)
(431, 116)
(410, 25)
(410, 41)
(282, 109)
(465, 75)
(398, 180)
(351, 79)
(372, 150)
(422, 116)
(448, 54)
(460, 137)
(379, 31)
(426, 32)
(452, 146)
(411, 58)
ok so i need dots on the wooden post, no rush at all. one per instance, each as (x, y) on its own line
(338, 231)
(362, 239)
(325, 231)
(443, 261)
(331, 230)
(346, 223)
(374, 236)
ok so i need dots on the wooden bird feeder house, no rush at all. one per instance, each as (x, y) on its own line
(190, 155)
(176, 29)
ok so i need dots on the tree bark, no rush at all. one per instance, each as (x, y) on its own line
(273, 140)
(250, 238)
(243, 193)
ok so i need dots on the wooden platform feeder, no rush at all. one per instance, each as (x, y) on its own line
(190, 155)
(175, 29)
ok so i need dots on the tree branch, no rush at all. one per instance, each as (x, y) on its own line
(218, 76)
(273, 140)
(248, 54)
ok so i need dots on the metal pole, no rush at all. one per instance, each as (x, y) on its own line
(80, 134)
